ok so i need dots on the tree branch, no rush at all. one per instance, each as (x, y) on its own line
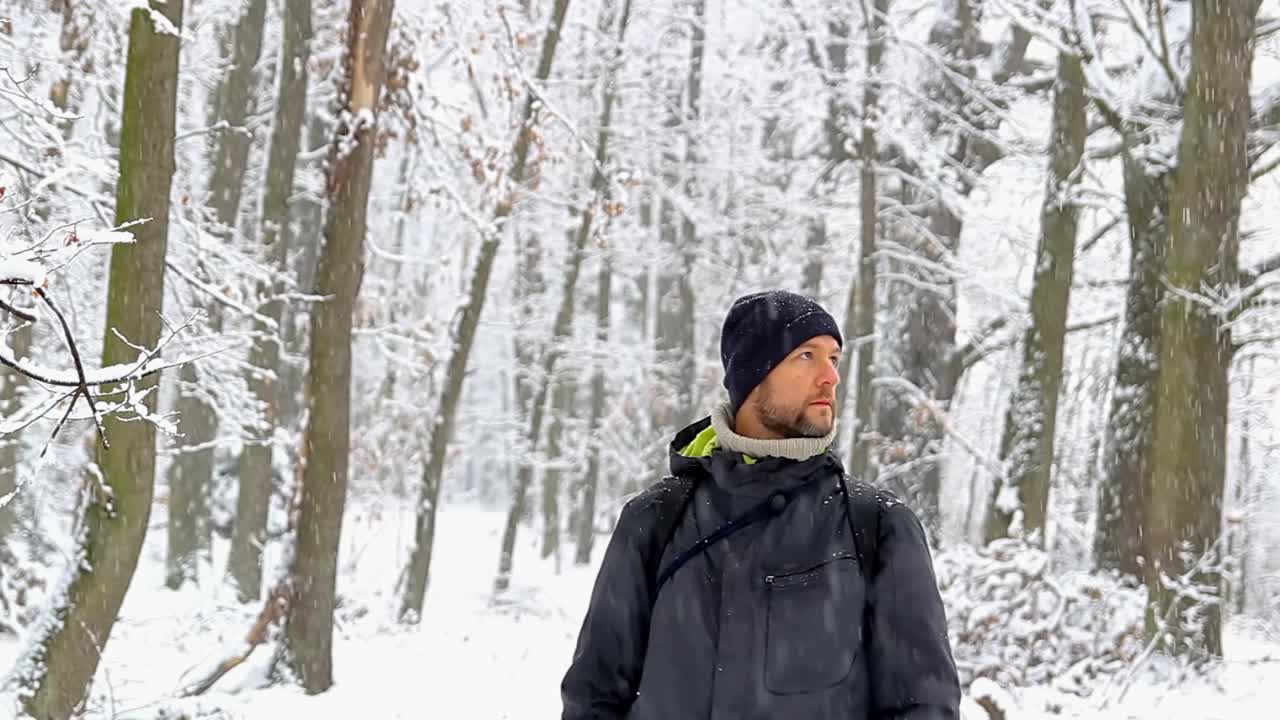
(16, 312)
(273, 612)
(919, 396)
(1258, 173)
(1098, 235)
(102, 376)
(964, 356)
(1163, 59)
(75, 357)
(74, 394)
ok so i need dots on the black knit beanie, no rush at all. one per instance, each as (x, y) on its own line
(760, 331)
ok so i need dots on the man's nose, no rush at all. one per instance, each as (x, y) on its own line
(830, 375)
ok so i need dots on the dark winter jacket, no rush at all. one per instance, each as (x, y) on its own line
(768, 623)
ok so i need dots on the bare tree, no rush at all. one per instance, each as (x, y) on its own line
(191, 473)
(1187, 477)
(674, 329)
(326, 441)
(591, 485)
(1021, 496)
(564, 315)
(919, 340)
(253, 501)
(464, 336)
(860, 312)
(115, 520)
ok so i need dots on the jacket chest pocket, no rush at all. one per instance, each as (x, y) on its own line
(813, 626)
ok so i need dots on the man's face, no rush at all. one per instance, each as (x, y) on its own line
(797, 399)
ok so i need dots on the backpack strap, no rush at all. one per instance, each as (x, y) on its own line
(664, 502)
(667, 499)
(768, 507)
(864, 508)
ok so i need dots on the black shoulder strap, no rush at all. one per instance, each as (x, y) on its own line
(767, 507)
(668, 498)
(667, 501)
(864, 524)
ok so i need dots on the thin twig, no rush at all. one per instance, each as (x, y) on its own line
(70, 406)
(1258, 173)
(35, 416)
(912, 390)
(75, 356)
(1174, 82)
(1164, 37)
(1098, 235)
(220, 126)
(16, 312)
(536, 93)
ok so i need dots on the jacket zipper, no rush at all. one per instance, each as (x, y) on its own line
(803, 577)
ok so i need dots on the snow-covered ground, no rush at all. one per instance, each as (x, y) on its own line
(470, 658)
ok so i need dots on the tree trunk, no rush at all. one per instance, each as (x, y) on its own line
(674, 331)
(11, 445)
(254, 499)
(73, 41)
(464, 336)
(1237, 531)
(309, 628)
(837, 142)
(1188, 469)
(921, 337)
(562, 402)
(860, 313)
(564, 315)
(815, 255)
(118, 497)
(1127, 454)
(563, 327)
(587, 512)
(190, 476)
(530, 287)
(232, 100)
(310, 216)
(530, 293)
(1020, 500)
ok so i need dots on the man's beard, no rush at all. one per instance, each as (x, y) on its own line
(789, 422)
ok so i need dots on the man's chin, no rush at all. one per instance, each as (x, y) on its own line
(815, 424)
(821, 416)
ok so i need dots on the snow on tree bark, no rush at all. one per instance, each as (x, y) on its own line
(1127, 451)
(190, 476)
(464, 334)
(1187, 478)
(255, 467)
(1020, 499)
(120, 485)
(564, 315)
(587, 512)
(326, 440)
(861, 310)
(919, 342)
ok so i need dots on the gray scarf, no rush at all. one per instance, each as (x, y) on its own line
(799, 448)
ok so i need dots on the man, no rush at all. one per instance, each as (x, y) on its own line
(780, 595)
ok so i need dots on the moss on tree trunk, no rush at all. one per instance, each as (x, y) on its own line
(1187, 478)
(327, 439)
(119, 487)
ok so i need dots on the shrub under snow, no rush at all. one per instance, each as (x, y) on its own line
(1015, 622)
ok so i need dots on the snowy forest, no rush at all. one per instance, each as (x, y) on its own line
(335, 334)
